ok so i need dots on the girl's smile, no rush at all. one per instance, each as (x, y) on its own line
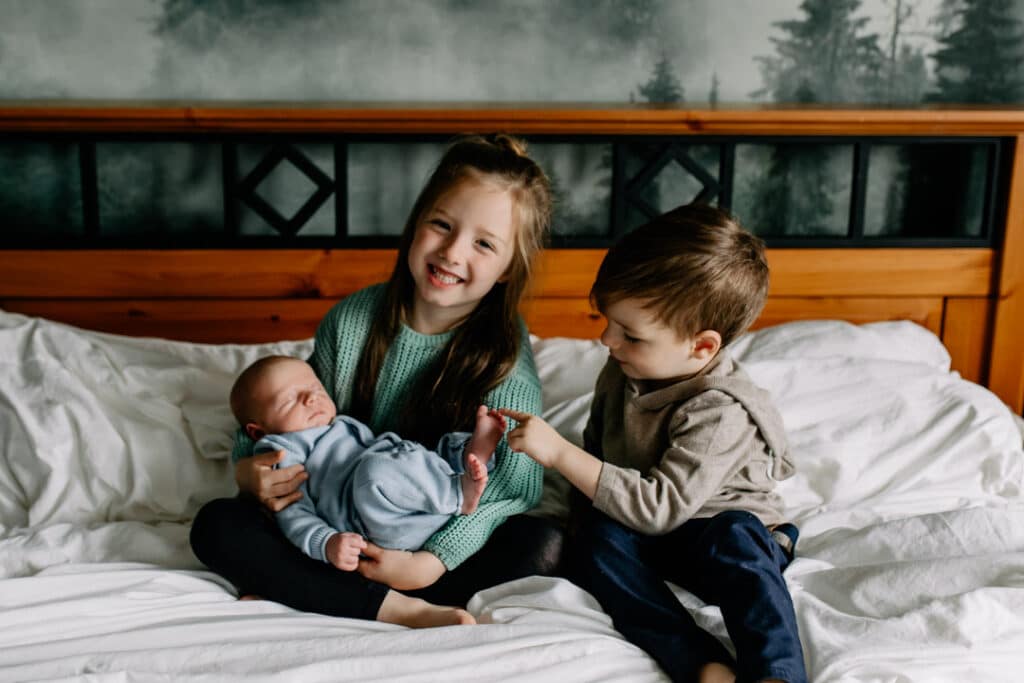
(441, 277)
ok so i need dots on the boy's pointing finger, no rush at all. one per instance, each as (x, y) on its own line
(514, 414)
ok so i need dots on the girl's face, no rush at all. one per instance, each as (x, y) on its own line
(463, 245)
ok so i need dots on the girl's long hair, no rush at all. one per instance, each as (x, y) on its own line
(485, 346)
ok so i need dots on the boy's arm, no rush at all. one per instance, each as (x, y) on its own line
(706, 450)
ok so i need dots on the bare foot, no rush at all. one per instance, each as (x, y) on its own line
(715, 672)
(415, 613)
(474, 481)
(250, 596)
(490, 427)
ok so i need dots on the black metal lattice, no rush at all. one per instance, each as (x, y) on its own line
(628, 190)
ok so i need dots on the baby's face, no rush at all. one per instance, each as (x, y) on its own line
(292, 398)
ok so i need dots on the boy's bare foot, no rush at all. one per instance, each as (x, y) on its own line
(474, 481)
(415, 613)
(490, 427)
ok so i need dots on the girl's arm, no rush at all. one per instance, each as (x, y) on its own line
(514, 486)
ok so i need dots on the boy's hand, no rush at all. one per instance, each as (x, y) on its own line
(535, 437)
(540, 441)
(343, 550)
(275, 489)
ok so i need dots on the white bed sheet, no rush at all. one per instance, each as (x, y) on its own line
(909, 496)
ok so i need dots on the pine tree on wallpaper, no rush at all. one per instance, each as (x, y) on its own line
(663, 85)
(825, 56)
(982, 57)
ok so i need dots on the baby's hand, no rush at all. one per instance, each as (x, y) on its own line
(343, 550)
(535, 437)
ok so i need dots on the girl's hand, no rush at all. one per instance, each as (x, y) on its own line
(343, 550)
(400, 569)
(536, 438)
(276, 489)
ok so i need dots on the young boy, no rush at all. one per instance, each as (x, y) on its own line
(681, 454)
(393, 492)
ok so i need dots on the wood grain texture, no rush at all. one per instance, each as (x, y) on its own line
(210, 321)
(925, 311)
(562, 272)
(1006, 369)
(593, 119)
(966, 333)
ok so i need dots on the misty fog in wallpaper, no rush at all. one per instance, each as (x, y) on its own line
(696, 52)
(832, 51)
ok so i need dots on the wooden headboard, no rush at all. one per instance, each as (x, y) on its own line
(971, 297)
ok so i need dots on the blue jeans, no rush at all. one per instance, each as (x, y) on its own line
(729, 560)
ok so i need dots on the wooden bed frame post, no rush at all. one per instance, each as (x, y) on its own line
(1006, 368)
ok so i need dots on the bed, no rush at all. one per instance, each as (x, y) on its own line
(898, 375)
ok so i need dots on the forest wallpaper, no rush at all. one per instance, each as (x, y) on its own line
(903, 53)
(883, 52)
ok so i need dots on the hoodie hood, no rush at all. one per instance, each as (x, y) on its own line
(725, 374)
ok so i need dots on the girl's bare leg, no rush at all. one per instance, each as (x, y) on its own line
(415, 613)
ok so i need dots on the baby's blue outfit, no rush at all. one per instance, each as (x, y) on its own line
(393, 492)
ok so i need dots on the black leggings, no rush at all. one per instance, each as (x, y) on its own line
(237, 539)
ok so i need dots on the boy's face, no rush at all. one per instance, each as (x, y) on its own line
(290, 398)
(647, 349)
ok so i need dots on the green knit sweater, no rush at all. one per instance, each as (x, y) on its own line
(515, 483)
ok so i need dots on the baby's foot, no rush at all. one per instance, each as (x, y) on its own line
(490, 427)
(474, 481)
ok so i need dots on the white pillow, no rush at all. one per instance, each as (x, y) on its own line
(99, 427)
(899, 340)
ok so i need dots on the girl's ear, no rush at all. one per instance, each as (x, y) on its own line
(254, 431)
(706, 344)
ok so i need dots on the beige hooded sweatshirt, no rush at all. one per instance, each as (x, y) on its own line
(707, 444)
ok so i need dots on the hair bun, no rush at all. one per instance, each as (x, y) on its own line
(510, 142)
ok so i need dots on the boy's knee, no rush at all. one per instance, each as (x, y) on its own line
(738, 528)
(601, 531)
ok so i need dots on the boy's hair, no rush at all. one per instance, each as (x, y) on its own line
(484, 349)
(242, 389)
(696, 266)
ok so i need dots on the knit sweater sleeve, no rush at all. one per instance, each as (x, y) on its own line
(339, 342)
(516, 482)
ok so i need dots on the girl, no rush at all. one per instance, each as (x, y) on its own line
(418, 355)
